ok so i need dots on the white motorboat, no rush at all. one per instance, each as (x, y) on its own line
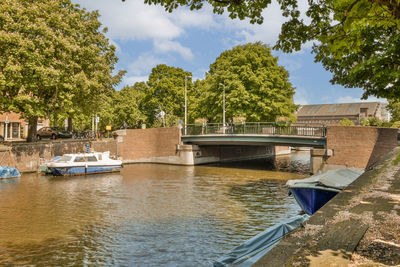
(83, 163)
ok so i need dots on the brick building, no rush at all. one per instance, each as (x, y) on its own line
(17, 127)
(332, 114)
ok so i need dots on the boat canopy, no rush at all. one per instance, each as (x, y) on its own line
(9, 172)
(335, 179)
(253, 249)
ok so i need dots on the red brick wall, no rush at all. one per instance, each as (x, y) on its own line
(357, 146)
(149, 143)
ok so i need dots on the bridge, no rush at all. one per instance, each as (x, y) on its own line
(255, 133)
(332, 146)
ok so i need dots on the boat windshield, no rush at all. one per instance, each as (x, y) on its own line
(91, 159)
(64, 159)
(79, 159)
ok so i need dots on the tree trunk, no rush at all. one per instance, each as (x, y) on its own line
(55, 117)
(69, 124)
(32, 129)
(55, 120)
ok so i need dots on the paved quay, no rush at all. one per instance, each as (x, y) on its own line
(359, 227)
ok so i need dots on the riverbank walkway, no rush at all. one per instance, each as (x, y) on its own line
(359, 227)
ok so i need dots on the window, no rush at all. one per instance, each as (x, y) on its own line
(79, 159)
(65, 159)
(91, 159)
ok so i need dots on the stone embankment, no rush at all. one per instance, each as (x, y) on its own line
(27, 157)
(359, 227)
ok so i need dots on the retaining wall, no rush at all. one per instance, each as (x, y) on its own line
(148, 145)
(358, 146)
(27, 157)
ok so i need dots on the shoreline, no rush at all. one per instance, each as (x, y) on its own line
(359, 226)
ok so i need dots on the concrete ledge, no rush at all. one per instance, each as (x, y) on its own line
(349, 227)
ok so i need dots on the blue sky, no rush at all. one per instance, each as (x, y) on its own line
(146, 36)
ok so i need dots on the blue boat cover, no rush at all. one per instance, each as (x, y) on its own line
(253, 249)
(9, 172)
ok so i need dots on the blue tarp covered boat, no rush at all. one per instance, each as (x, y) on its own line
(253, 249)
(314, 192)
(9, 172)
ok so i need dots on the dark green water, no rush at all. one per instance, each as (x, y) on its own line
(147, 215)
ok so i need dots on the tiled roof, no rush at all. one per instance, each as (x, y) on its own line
(346, 109)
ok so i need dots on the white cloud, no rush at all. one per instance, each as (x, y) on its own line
(269, 31)
(143, 64)
(300, 97)
(133, 20)
(203, 18)
(289, 63)
(131, 80)
(170, 46)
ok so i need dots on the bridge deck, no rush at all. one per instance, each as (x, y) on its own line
(254, 139)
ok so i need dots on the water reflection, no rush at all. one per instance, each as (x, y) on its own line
(148, 215)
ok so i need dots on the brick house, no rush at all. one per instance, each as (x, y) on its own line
(332, 114)
(17, 127)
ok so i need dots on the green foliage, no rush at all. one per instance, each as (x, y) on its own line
(165, 92)
(256, 88)
(357, 40)
(53, 58)
(394, 108)
(374, 121)
(396, 124)
(397, 159)
(237, 9)
(346, 122)
(128, 106)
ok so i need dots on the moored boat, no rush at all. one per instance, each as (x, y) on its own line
(9, 172)
(83, 163)
(314, 192)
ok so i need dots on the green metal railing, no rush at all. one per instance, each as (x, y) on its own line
(265, 128)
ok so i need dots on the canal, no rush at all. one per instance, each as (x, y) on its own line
(147, 215)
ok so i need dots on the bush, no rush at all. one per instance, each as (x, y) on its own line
(346, 122)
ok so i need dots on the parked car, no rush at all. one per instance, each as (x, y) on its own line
(53, 133)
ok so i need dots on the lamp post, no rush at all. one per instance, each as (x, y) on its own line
(186, 102)
(223, 108)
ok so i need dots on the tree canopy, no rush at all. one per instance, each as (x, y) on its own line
(357, 40)
(256, 88)
(129, 106)
(53, 58)
(166, 93)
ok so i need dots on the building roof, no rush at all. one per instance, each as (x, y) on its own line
(346, 109)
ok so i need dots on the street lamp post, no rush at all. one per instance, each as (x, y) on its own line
(186, 102)
(223, 109)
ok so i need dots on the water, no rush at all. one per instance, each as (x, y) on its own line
(147, 215)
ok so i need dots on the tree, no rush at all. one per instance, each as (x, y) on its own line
(53, 58)
(394, 109)
(166, 92)
(357, 40)
(129, 105)
(256, 88)
(346, 122)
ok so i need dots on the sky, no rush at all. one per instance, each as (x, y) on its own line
(147, 35)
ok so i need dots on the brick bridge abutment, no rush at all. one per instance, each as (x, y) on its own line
(356, 147)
